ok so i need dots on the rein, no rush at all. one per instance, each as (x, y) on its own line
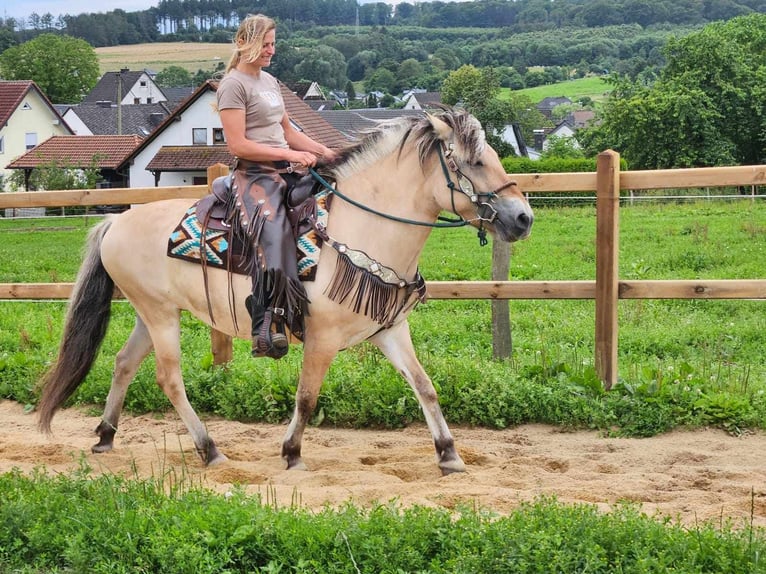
(465, 186)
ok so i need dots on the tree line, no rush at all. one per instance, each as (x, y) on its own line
(189, 19)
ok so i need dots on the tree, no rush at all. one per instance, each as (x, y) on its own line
(325, 65)
(64, 68)
(477, 90)
(705, 109)
(174, 77)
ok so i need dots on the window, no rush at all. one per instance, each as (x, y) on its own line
(199, 136)
(218, 136)
(30, 140)
(136, 100)
(148, 100)
(142, 83)
(2, 149)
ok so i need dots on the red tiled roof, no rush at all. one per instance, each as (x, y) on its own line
(189, 158)
(11, 94)
(104, 152)
(312, 124)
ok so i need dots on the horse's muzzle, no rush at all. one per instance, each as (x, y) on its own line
(514, 220)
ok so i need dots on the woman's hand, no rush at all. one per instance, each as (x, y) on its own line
(302, 158)
(329, 155)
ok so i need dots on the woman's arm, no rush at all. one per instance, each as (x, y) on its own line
(233, 123)
(300, 141)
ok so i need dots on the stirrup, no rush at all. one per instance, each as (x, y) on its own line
(271, 344)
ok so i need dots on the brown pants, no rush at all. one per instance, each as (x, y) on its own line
(260, 190)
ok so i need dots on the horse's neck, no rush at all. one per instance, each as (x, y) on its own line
(385, 190)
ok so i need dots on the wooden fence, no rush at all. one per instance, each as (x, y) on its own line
(608, 181)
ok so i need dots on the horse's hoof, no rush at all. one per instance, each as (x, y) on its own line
(452, 466)
(297, 464)
(101, 447)
(219, 459)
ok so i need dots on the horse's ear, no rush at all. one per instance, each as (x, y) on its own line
(441, 127)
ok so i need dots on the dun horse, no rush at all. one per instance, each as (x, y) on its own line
(389, 191)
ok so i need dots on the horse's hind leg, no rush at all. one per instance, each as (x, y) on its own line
(135, 350)
(396, 345)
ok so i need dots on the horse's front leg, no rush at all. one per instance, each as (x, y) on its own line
(396, 345)
(316, 360)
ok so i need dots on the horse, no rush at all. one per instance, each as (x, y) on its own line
(390, 189)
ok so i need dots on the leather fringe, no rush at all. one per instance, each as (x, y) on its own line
(370, 295)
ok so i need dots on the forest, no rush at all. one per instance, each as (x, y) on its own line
(208, 20)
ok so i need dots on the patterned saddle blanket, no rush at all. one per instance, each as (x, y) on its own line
(224, 250)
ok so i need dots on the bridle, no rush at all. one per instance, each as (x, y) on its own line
(485, 210)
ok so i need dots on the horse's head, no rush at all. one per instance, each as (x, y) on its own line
(476, 186)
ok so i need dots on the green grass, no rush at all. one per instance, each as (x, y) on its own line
(593, 87)
(109, 525)
(681, 363)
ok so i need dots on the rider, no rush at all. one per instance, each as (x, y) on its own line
(268, 151)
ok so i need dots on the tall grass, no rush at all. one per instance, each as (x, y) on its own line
(109, 525)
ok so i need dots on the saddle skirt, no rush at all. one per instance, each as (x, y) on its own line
(203, 229)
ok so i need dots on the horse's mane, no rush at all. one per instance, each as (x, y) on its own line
(388, 136)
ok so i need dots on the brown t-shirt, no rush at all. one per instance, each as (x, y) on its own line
(262, 102)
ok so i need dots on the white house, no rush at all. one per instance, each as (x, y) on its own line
(191, 139)
(27, 118)
(127, 87)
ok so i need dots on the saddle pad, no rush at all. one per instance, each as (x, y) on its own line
(185, 243)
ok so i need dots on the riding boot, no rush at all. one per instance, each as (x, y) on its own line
(268, 330)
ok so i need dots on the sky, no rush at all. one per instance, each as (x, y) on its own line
(23, 8)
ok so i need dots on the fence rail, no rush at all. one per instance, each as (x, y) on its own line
(608, 181)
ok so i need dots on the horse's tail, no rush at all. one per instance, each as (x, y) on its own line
(84, 329)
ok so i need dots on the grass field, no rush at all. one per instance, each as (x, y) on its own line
(159, 55)
(593, 87)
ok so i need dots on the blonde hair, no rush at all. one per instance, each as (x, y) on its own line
(248, 41)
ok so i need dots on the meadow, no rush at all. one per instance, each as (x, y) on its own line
(593, 87)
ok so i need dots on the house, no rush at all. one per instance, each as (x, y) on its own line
(27, 117)
(127, 88)
(547, 105)
(416, 100)
(107, 118)
(353, 123)
(107, 153)
(191, 139)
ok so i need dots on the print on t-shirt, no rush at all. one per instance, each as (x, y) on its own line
(272, 98)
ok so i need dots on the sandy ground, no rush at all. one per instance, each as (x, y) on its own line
(695, 476)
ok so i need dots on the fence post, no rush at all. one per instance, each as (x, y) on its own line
(502, 340)
(607, 264)
(220, 343)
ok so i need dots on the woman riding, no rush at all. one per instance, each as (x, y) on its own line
(271, 155)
